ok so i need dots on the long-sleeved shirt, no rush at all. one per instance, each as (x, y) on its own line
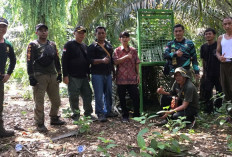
(74, 60)
(7, 51)
(189, 55)
(34, 50)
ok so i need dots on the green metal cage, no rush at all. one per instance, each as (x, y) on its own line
(154, 30)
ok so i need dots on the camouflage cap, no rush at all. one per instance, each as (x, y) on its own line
(182, 71)
(3, 21)
(80, 28)
(37, 27)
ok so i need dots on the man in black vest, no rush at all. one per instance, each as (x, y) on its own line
(43, 64)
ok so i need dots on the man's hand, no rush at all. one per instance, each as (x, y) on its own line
(106, 60)
(197, 76)
(129, 55)
(222, 58)
(66, 79)
(138, 79)
(59, 78)
(5, 78)
(160, 90)
(33, 81)
(166, 114)
(179, 53)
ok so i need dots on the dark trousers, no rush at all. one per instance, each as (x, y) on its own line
(133, 92)
(206, 89)
(226, 81)
(189, 112)
(1, 101)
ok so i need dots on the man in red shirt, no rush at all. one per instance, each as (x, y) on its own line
(127, 75)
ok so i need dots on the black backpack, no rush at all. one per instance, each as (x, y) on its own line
(48, 55)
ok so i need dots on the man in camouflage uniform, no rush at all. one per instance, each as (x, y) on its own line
(6, 50)
(43, 64)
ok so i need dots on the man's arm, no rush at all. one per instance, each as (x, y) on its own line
(179, 108)
(90, 55)
(57, 60)
(167, 53)
(12, 64)
(219, 54)
(30, 59)
(64, 61)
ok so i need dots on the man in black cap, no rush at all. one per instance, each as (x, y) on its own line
(6, 51)
(185, 97)
(43, 64)
(75, 66)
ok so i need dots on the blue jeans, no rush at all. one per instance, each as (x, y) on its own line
(102, 85)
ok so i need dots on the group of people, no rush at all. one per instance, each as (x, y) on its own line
(77, 63)
(217, 62)
(100, 59)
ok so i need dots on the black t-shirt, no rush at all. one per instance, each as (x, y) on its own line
(74, 60)
(96, 52)
(211, 65)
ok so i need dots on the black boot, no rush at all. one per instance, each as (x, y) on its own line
(5, 133)
(56, 121)
(41, 128)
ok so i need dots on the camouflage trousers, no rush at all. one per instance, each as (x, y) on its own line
(46, 83)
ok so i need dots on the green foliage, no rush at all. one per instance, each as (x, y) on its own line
(161, 142)
(67, 112)
(229, 142)
(176, 125)
(83, 124)
(107, 144)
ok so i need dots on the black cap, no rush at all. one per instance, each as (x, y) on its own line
(3, 21)
(37, 27)
(80, 28)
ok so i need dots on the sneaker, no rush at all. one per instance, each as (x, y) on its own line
(163, 122)
(102, 118)
(75, 117)
(56, 121)
(125, 119)
(41, 128)
(111, 115)
(93, 118)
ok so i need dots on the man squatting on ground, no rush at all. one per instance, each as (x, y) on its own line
(43, 64)
(6, 51)
(127, 75)
(186, 97)
(211, 72)
(76, 71)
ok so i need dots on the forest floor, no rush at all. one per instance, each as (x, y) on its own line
(208, 137)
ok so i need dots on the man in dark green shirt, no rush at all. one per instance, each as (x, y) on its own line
(6, 51)
(185, 94)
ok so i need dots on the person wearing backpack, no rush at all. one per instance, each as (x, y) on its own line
(43, 65)
(6, 51)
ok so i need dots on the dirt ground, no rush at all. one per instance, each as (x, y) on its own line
(208, 139)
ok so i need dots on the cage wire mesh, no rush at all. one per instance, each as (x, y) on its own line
(154, 32)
